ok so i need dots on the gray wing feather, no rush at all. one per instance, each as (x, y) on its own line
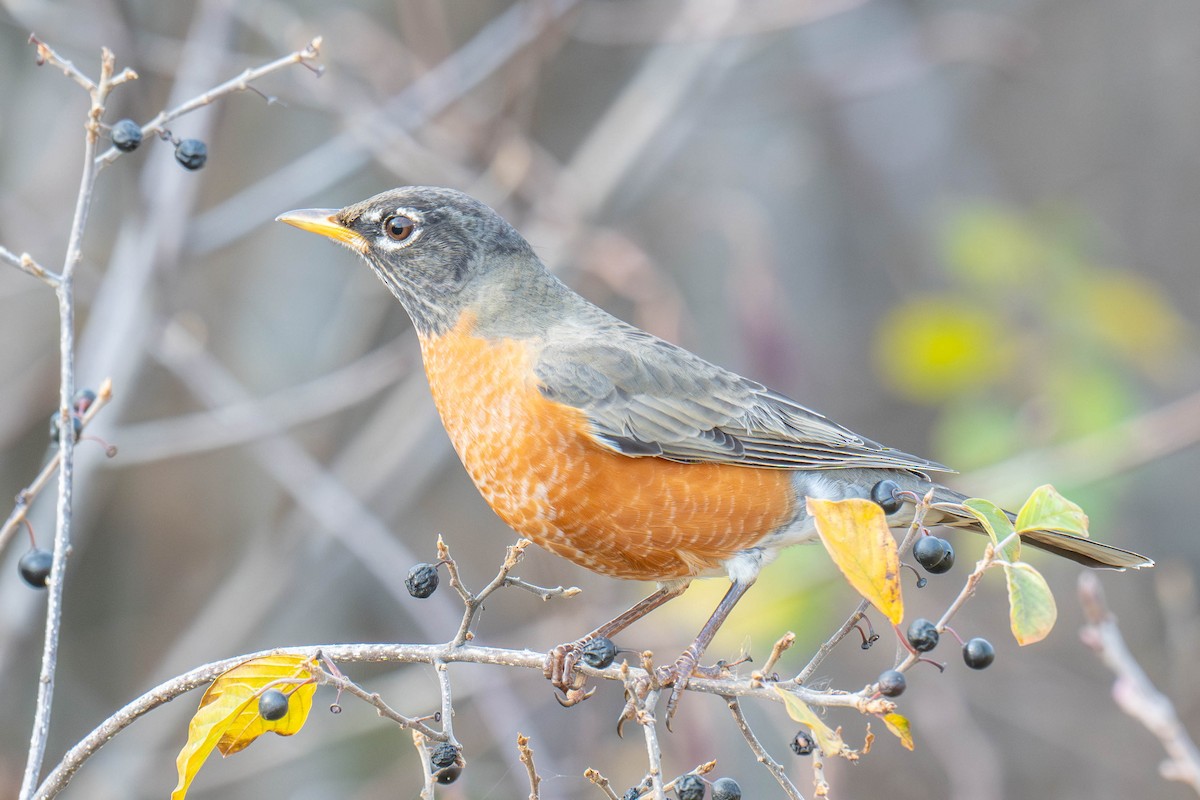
(646, 397)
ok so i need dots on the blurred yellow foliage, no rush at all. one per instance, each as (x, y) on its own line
(933, 346)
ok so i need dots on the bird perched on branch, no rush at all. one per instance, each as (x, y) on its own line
(606, 445)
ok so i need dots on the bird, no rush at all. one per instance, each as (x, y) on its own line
(611, 447)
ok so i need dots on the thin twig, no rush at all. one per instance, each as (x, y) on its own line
(26, 263)
(426, 768)
(47, 55)
(26, 496)
(526, 757)
(645, 718)
(443, 676)
(781, 646)
(473, 602)
(760, 752)
(240, 83)
(542, 591)
(599, 780)
(342, 683)
(820, 785)
(1133, 691)
(66, 442)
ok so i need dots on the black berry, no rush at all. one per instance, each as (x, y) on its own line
(884, 493)
(34, 567)
(892, 683)
(272, 705)
(599, 652)
(726, 789)
(632, 794)
(422, 580)
(444, 755)
(448, 774)
(803, 743)
(76, 423)
(934, 554)
(978, 653)
(83, 400)
(192, 153)
(922, 635)
(690, 787)
(126, 135)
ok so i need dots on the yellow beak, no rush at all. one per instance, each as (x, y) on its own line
(324, 221)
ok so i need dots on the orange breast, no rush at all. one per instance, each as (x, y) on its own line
(534, 463)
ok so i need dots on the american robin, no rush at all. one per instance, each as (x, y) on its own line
(606, 445)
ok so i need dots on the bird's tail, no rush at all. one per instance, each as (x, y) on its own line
(948, 504)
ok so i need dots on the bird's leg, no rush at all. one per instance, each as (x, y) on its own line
(678, 674)
(561, 661)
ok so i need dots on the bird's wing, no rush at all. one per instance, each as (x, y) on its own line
(646, 397)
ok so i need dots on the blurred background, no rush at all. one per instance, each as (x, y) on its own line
(965, 229)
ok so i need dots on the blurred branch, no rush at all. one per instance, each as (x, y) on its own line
(1103, 454)
(26, 263)
(1133, 691)
(248, 420)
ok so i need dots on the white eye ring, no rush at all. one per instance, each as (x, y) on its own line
(399, 228)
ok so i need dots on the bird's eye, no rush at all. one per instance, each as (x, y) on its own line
(399, 227)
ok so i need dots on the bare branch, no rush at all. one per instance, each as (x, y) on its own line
(1133, 691)
(422, 654)
(240, 83)
(47, 55)
(760, 752)
(27, 264)
(526, 756)
(342, 683)
(599, 780)
(26, 496)
(542, 591)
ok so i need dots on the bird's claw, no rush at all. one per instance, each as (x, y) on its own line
(571, 697)
(559, 669)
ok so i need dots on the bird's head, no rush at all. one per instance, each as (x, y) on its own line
(437, 250)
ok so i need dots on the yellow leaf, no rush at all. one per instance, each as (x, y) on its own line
(898, 724)
(998, 526)
(829, 740)
(856, 534)
(1031, 607)
(228, 717)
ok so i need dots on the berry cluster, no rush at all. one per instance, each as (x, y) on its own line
(126, 136)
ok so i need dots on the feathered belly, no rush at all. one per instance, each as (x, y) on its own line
(537, 466)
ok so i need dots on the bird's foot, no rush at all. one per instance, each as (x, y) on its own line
(559, 669)
(677, 676)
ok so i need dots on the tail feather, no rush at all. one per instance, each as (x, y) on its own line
(1089, 552)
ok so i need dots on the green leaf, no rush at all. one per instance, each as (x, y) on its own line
(1031, 607)
(997, 524)
(1047, 510)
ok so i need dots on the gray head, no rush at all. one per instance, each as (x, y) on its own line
(439, 251)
